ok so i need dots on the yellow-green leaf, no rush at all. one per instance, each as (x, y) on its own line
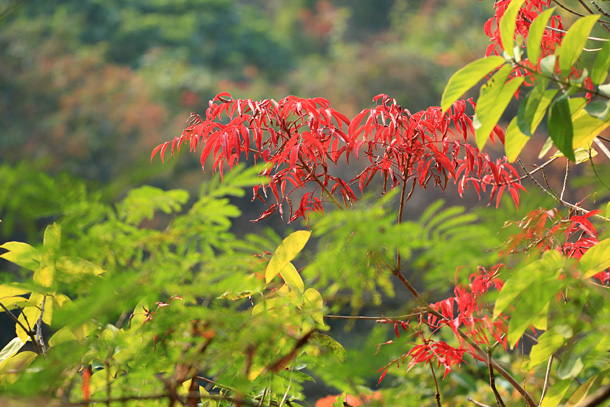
(514, 140)
(64, 335)
(467, 77)
(52, 238)
(11, 291)
(11, 349)
(286, 252)
(508, 24)
(555, 394)
(574, 41)
(493, 100)
(22, 254)
(44, 276)
(291, 276)
(596, 259)
(535, 34)
(76, 265)
(314, 301)
(583, 391)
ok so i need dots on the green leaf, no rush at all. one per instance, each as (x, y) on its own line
(533, 108)
(535, 35)
(540, 270)
(467, 77)
(78, 266)
(547, 65)
(599, 109)
(560, 126)
(596, 259)
(570, 367)
(315, 303)
(583, 391)
(493, 100)
(548, 343)
(329, 345)
(11, 349)
(574, 41)
(44, 276)
(22, 254)
(286, 252)
(532, 309)
(65, 334)
(10, 291)
(548, 144)
(508, 24)
(52, 238)
(586, 127)
(514, 140)
(555, 394)
(291, 276)
(581, 154)
(601, 65)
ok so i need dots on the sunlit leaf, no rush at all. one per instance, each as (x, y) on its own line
(535, 35)
(10, 349)
(560, 126)
(466, 78)
(493, 100)
(555, 394)
(574, 41)
(596, 259)
(292, 277)
(508, 25)
(587, 387)
(22, 254)
(286, 252)
(602, 64)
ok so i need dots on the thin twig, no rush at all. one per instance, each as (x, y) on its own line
(565, 180)
(546, 379)
(561, 201)
(380, 318)
(492, 380)
(476, 403)
(39, 337)
(437, 395)
(599, 9)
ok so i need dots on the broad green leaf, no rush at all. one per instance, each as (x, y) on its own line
(581, 154)
(540, 270)
(14, 302)
(555, 394)
(574, 41)
(599, 109)
(602, 64)
(11, 349)
(28, 318)
(286, 252)
(596, 259)
(22, 254)
(44, 276)
(560, 126)
(532, 309)
(533, 108)
(570, 366)
(65, 334)
(547, 65)
(467, 77)
(548, 343)
(548, 144)
(76, 265)
(586, 127)
(493, 100)
(10, 291)
(328, 345)
(52, 238)
(587, 387)
(314, 301)
(18, 362)
(508, 24)
(292, 277)
(535, 35)
(514, 140)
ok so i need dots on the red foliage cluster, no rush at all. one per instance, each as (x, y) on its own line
(529, 11)
(546, 230)
(465, 310)
(299, 139)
